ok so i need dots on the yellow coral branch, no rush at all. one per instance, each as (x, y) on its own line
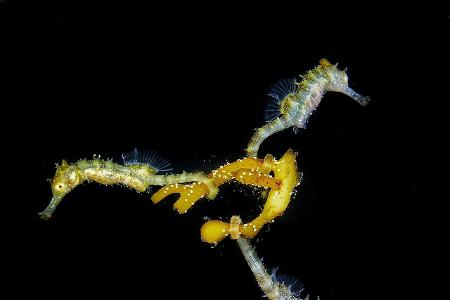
(189, 194)
(251, 171)
(284, 170)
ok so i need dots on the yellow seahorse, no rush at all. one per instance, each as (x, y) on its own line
(138, 172)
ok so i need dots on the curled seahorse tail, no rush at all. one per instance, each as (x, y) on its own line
(184, 178)
(264, 132)
(209, 182)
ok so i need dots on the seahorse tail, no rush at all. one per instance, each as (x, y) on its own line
(209, 182)
(263, 278)
(263, 133)
(191, 177)
(255, 142)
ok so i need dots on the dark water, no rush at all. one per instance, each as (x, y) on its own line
(191, 85)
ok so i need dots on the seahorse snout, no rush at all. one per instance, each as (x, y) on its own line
(48, 211)
(363, 100)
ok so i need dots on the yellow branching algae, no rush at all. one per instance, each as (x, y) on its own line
(285, 170)
(250, 171)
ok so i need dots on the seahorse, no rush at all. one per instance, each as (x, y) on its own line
(293, 102)
(138, 172)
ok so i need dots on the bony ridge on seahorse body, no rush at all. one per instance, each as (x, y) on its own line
(138, 172)
(293, 102)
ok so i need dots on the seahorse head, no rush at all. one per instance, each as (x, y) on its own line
(338, 82)
(66, 178)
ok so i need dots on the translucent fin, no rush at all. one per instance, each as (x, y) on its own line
(272, 110)
(149, 158)
(293, 284)
(282, 88)
(278, 92)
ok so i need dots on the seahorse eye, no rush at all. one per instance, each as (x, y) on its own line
(59, 186)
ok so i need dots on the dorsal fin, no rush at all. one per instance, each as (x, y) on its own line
(278, 92)
(282, 88)
(272, 110)
(293, 284)
(149, 158)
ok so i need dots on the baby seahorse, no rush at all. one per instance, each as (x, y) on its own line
(293, 102)
(138, 172)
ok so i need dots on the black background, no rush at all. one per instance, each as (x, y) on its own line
(189, 82)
